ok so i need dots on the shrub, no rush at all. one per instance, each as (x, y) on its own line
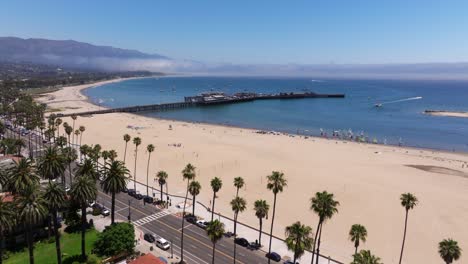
(115, 239)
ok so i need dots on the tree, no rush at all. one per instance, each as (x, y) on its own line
(356, 234)
(276, 184)
(449, 250)
(216, 185)
(58, 122)
(70, 156)
(75, 138)
(194, 190)
(82, 130)
(238, 205)
(215, 231)
(162, 180)
(126, 138)
(32, 210)
(238, 183)
(150, 149)
(87, 168)
(7, 222)
(22, 176)
(69, 131)
(112, 154)
(298, 239)
(19, 144)
(74, 117)
(325, 206)
(137, 142)
(115, 239)
(83, 191)
(408, 201)
(115, 181)
(188, 174)
(365, 257)
(51, 164)
(261, 208)
(55, 198)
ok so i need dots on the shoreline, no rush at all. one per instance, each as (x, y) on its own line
(461, 114)
(365, 178)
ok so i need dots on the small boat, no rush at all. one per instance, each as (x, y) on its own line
(378, 105)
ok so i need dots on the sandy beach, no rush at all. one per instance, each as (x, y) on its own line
(446, 113)
(366, 179)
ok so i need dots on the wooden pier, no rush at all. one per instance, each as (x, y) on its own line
(206, 99)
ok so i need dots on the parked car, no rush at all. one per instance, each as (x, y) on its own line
(125, 190)
(273, 256)
(191, 219)
(148, 199)
(229, 234)
(202, 223)
(131, 192)
(138, 195)
(253, 246)
(241, 241)
(290, 262)
(163, 244)
(149, 237)
(105, 211)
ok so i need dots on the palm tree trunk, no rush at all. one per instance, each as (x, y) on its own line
(70, 173)
(214, 251)
(83, 232)
(193, 206)
(81, 137)
(30, 244)
(271, 229)
(57, 238)
(49, 225)
(113, 208)
(260, 232)
(183, 223)
(125, 152)
(73, 127)
(134, 171)
(161, 191)
(315, 242)
(295, 250)
(147, 174)
(2, 238)
(235, 229)
(212, 206)
(356, 245)
(404, 237)
(318, 244)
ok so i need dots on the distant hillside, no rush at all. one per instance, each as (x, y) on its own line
(67, 53)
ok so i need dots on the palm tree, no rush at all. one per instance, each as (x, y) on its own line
(356, 234)
(365, 257)
(162, 180)
(188, 173)
(137, 142)
(51, 164)
(194, 190)
(112, 154)
(408, 201)
(83, 191)
(298, 239)
(238, 205)
(115, 181)
(324, 205)
(22, 176)
(126, 138)
(215, 231)
(7, 221)
(105, 156)
(82, 130)
(238, 183)
(77, 133)
(55, 197)
(32, 210)
(449, 250)
(70, 156)
(58, 122)
(261, 208)
(216, 185)
(150, 149)
(74, 117)
(68, 131)
(87, 168)
(276, 184)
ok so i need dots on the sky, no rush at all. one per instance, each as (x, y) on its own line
(255, 31)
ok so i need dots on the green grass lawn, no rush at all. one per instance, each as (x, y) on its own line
(45, 253)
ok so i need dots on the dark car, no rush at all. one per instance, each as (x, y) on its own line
(139, 196)
(191, 219)
(229, 234)
(131, 192)
(148, 199)
(273, 256)
(125, 190)
(253, 246)
(290, 262)
(241, 242)
(149, 237)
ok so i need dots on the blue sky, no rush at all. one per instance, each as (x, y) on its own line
(255, 31)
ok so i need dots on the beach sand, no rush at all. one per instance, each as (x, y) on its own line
(366, 179)
(447, 113)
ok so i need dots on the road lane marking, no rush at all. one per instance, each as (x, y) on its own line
(150, 218)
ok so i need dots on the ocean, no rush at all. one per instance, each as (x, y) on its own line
(395, 123)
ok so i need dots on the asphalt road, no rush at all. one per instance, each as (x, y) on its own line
(197, 246)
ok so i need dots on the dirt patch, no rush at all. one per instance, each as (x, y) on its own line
(441, 170)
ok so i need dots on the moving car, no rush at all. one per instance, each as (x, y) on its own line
(202, 223)
(105, 211)
(273, 256)
(241, 241)
(149, 237)
(163, 244)
(148, 199)
(191, 219)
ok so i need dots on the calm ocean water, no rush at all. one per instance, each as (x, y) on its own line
(393, 123)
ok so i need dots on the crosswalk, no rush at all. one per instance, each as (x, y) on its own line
(150, 218)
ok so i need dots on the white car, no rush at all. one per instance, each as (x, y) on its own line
(105, 212)
(202, 223)
(163, 244)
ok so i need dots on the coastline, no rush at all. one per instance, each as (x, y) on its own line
(446, 113)
(366, 178)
